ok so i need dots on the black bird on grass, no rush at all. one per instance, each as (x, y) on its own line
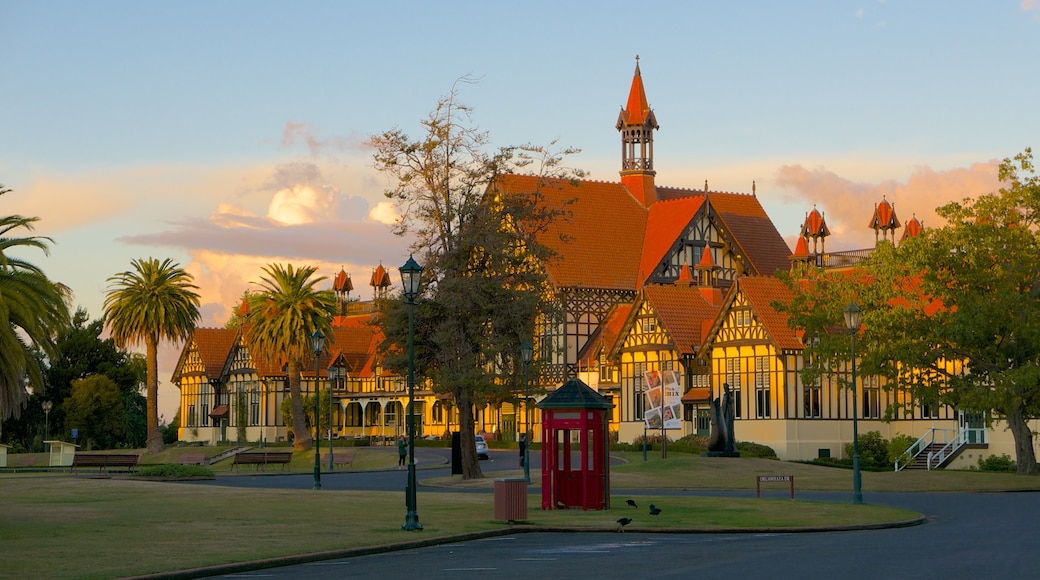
(621, 523)
(654, 510)
(631, 503)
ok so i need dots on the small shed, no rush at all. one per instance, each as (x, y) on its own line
(575, 448)
(3, 454)
(62, 453)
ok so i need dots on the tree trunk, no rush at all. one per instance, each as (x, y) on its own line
(154, 439)
(1024, 456)
(467, 428)
(302, 440)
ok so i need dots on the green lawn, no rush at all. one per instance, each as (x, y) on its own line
(61, 526)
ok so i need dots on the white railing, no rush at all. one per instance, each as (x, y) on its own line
(950, 445)
(929, 438)
(950, 449)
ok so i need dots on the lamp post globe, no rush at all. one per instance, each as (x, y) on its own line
(411, 277)
(317, 345)
(852, 314)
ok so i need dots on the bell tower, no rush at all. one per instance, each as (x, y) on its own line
(637, 123)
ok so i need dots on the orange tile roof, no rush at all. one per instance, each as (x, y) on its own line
(913, 228)
(815, 225)
(606, 335)
(214, 347)
(753, 231)
(884, 217)
(761, 292)
(665, 223)
(602, 215)
(682, 310)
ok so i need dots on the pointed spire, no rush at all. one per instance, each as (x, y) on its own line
(637, 124)
(884, 219)
(913, 228)
(685, 275)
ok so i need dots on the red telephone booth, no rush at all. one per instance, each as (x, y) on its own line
(575, 448)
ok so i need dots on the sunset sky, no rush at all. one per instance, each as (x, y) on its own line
(229, 135)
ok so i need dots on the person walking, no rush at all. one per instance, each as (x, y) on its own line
(402, 452)
(523, 448)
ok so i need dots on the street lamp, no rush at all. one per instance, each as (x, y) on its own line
(47, 405)
(411, 275)
(852, 313)
(317, 345)
(525, 353)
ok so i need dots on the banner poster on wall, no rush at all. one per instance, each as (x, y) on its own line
(663, 403)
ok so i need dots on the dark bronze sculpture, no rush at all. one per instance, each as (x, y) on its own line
(721, 441)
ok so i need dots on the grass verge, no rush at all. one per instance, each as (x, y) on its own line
(58, 527)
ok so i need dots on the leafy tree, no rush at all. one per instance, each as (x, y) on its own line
(483, 281)
(81, 352)
(96, 409)
(153, 302)
(951, 316)
(281, 318)
(33, 310)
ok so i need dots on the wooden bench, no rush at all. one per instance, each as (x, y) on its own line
(263, 459)
(193, 459)
(105, 461)
(339, 458)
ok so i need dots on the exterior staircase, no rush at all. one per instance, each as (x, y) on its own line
(938, 447)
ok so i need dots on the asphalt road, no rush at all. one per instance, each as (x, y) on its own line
(982, 535)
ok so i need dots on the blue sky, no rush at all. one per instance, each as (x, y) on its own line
(228, 135)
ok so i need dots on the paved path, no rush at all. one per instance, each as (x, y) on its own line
(980, 535)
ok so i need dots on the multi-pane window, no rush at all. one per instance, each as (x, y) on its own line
(254, 408)
(930, 410)
(192, 416)
(812, 400)
(871, 398)
(205, 414)
(733, 378)
(762, 410)
(638, 399)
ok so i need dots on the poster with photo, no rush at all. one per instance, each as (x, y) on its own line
(662, 398)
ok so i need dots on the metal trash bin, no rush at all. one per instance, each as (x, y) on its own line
(511, 499)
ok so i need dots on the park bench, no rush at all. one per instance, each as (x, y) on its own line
(263, 459)
(193, 459)
(339, 458)
(105, 461)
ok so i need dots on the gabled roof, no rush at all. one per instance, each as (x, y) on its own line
(606, 335)
(681, 310)
(913, 228)
(602, 215)
(759, 241)
(214, 347)
(666, 221)
(761, 292)
(815, 225)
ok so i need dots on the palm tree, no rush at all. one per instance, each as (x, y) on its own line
(32, 312)
(153, 302)
(280, 320)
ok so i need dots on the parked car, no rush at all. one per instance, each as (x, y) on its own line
(482, 450)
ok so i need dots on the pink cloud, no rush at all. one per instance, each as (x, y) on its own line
(848, 205)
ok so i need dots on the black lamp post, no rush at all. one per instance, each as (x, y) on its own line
(47, 405)
(852, 313)
(411, 275)
(317, 345)
(526, 351)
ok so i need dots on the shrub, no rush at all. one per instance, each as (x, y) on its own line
(873, 452)
(898, 446)
(1002, 463)
(751, 449)
(174, 471)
